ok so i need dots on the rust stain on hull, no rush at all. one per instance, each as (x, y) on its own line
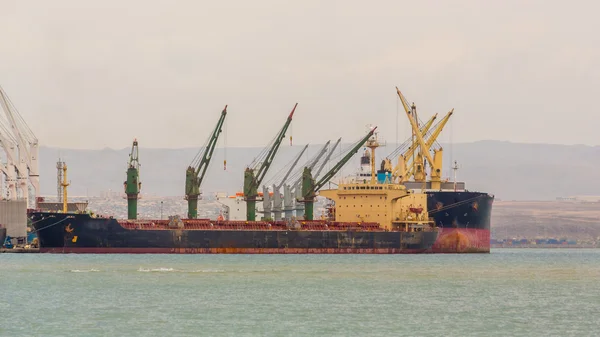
(90, 250)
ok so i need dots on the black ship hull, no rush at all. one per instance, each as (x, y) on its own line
(463, 219)
(81, 233)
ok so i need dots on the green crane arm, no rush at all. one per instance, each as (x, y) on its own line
(327, 176)
(201, 169)
(262, 171)
(197, 169)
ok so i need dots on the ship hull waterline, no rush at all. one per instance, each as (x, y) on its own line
(123, 250)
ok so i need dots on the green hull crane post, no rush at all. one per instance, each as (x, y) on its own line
(255, 173)
(197, 169)
(133, 184)
(310, 187)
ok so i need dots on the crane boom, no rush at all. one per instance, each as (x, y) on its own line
(278, 186)
(310, 187)
(266, 164)
(440, 126)
(424, 130)
(311, 164)
(415, 128)
(436, 167)
(335, 169)
(327, 157)
(197, 169)
(252, 179)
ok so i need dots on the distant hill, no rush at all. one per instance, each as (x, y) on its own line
(511, 171)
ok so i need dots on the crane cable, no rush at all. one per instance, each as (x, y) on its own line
(456, 204)
(225, 147)
(54, 224)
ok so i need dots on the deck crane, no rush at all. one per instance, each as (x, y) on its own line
(133, 184)
(28, 148)
(411, 112)
(418, 170)
(407, 145)
(275, 204)
(400, 170)
(316, 175)
(294, 191)
(436, 168)
(310, 187)
(197, 169)
(255, 173)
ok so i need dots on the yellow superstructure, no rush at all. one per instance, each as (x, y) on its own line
(390, 205)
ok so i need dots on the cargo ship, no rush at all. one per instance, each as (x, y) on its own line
(392, 220)
(373, 217)
(407, 231)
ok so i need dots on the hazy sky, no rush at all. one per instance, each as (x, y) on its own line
(94, 74)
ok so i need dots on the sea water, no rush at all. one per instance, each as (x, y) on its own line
(509, 292)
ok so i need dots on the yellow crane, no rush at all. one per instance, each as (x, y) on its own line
(417, 169)
(401, 170)
(436, 167)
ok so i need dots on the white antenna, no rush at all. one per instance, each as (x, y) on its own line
(455, 168)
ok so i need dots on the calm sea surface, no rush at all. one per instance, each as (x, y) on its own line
(510, 292)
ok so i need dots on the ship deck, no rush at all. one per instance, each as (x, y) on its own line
(204, 224)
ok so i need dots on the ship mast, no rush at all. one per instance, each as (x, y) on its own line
(455, 168)
(372, 144)
(65, 184)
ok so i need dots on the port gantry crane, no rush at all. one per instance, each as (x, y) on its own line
(22, 165)
(7, 142)
(255, 173)
(417, 169)
(197, 169)
(310, 187)
(133, 184)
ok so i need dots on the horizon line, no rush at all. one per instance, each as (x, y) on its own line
(314, 144)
